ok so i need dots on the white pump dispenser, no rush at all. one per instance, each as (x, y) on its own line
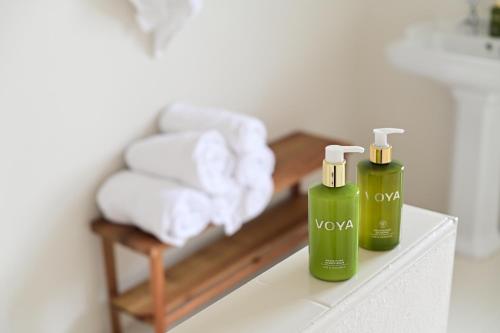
(380, 150)
(334, 164)
(381, 135)
(335, 154)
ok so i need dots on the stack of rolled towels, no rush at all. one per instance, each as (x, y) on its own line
(207, 165)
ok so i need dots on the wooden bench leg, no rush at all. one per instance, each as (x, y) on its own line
(157, 286)
(295, 190)
(109, 265)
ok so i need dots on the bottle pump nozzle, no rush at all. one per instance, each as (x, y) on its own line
(334, 164)
(380, 150)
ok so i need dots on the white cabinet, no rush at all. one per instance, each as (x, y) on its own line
(403, 290)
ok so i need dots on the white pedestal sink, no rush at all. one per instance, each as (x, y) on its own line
(470, 66)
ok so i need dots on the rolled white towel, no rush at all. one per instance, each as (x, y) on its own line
(166, 209)
(256, 198)
(252, 166)
(226, 210)
(198, 159)
(242, 132)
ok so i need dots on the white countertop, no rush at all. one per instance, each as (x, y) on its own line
(286, 298)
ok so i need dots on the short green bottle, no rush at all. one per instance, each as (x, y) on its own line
(334, 220)
(380, 182)
(495, 20)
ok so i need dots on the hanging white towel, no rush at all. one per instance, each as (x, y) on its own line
(198, 159)
(254, 165)
(164, 18)
(242, 133)
(171, 212)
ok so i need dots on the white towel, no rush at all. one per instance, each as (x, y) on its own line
(164, 18)
(256, 198)
(252, 166)
(242, 133)
(170, 211)
(198, 159)
(226, 210)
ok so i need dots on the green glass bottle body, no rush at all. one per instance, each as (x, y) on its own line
(495, 22)
(381, 191)
(333, 231)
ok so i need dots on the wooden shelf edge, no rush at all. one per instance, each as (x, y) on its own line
(127, 235)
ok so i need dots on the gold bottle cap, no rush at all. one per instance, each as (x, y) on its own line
(333, 174)
(380, 155)
(381, 151)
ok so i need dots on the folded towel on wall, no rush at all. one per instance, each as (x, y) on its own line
(170, 211)
(242, 133)
(254, 165)
(198, 159)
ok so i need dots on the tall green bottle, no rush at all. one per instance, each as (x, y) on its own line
(333, 220)
(495, 20)
(380, 182)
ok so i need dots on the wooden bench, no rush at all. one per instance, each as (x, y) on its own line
(168, 296)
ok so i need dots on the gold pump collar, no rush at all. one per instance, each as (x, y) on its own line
(380, 155)
(333, 174)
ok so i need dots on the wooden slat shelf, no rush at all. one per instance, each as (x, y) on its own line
(214, 270)
(229, 261)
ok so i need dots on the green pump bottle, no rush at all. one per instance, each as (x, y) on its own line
(333, 219)
(495, 20)
(380, 182)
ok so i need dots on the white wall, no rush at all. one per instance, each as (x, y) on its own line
(77, 84)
